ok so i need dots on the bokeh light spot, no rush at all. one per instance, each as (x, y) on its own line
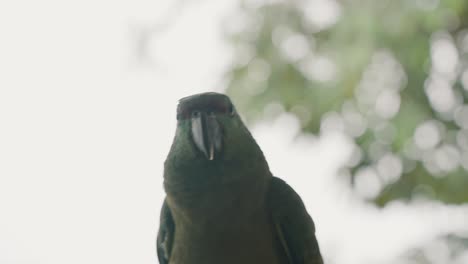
(427, 135)
(319, 68)
(322, 13)
(440, 94)
(444, 54)
(388, 103)
(461, 116)
(367, 183)
(390, 168)
(295, 47)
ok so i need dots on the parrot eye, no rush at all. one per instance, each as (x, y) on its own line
(232, 110)
(195, 114)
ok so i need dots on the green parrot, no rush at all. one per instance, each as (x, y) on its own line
(223, 205)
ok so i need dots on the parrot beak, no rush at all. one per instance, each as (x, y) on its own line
(206, 134)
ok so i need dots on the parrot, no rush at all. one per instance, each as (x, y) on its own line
(222, 203)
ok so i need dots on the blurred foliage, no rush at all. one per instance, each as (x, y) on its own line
(391, 74)
(444, 249)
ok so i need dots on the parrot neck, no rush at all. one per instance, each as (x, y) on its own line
(212, 199)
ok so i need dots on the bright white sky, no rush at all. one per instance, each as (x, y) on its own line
(84, 130)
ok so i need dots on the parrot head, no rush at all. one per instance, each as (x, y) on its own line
(210, 139)
(204, 118)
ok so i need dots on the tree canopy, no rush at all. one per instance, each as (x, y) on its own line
(391, 74)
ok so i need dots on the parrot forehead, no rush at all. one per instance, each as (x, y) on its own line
(215, 102)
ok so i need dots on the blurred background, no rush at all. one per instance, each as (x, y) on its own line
(361, 105)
